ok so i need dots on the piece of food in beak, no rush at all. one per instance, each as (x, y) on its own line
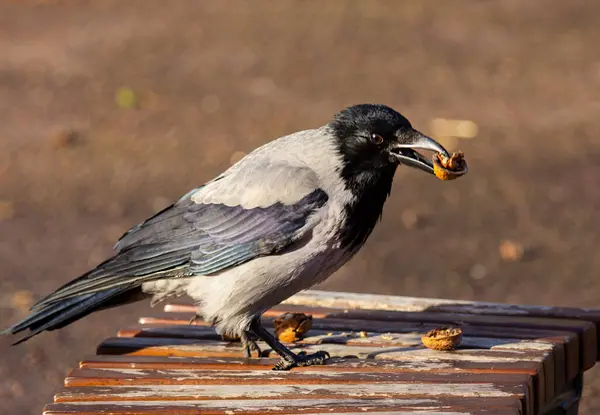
(449, 168)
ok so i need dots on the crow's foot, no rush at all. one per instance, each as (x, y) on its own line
(302, 359)
(250, 346)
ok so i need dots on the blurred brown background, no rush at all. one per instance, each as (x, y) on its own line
(109, 110)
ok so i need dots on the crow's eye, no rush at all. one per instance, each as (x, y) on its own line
(376, 139)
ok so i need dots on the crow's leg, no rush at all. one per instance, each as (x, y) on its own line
(249, 344)
(289, 359)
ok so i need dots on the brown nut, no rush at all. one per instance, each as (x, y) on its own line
(449, 168)
(291, 327)
(442, 338)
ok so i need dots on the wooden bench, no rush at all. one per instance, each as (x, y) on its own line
(512, 360)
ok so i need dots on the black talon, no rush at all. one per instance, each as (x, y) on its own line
(289, 359)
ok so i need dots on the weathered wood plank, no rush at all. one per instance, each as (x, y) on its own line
(349, 303)
(322, 303)
(128, 377)
(443, 405)
(565, 354)
(560, 358)
(415, 358)
(567, 363)
(398, 326)
(513, 359)
(378, 321)
(368, 339)
(189, 347)
(550, 378)
(210, 392)
(586, 331)
(346, 300)
(495, 410)
(136, 377)
(335, 364)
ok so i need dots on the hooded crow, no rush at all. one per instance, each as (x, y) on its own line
(280, 220)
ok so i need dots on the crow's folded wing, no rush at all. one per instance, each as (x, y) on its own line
(195, 238)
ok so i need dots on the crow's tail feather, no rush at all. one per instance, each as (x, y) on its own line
(57, 315)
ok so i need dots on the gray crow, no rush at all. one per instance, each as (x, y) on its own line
(280, 220)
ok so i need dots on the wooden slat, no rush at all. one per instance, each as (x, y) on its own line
(398, 326)
(552, 378)
(498, 366)
(317, 391)
(369, 339)
(370, 307)
(107, 377)
(135, 377)
(335, 364)
(382, 319)
(586, 331)
(566, 343)
(414, 359)
(569, 339)
(463, 365)
(188, 347)
(345, 300)
(389, 338)
(323, 304)
(512, 359)
(440, 405)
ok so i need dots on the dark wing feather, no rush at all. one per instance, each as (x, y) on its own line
(194, 239)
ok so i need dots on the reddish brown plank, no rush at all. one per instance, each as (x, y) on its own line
(528, 367)
(586, 331)
(321, 304)
(128, 377)
(567, 354)
(174, 331)
(551, 378)
(519, 354)
(438, 406)
(494, 366)
(147, 393)
(188, 347)
(345, 300)
(347, 325)
(371, 339)
(138, 377)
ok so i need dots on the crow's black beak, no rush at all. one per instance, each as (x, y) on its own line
(404, 152)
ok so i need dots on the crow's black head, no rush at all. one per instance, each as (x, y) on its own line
(373, 140)
(372, 137)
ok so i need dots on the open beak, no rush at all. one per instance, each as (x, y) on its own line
(404, 152)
